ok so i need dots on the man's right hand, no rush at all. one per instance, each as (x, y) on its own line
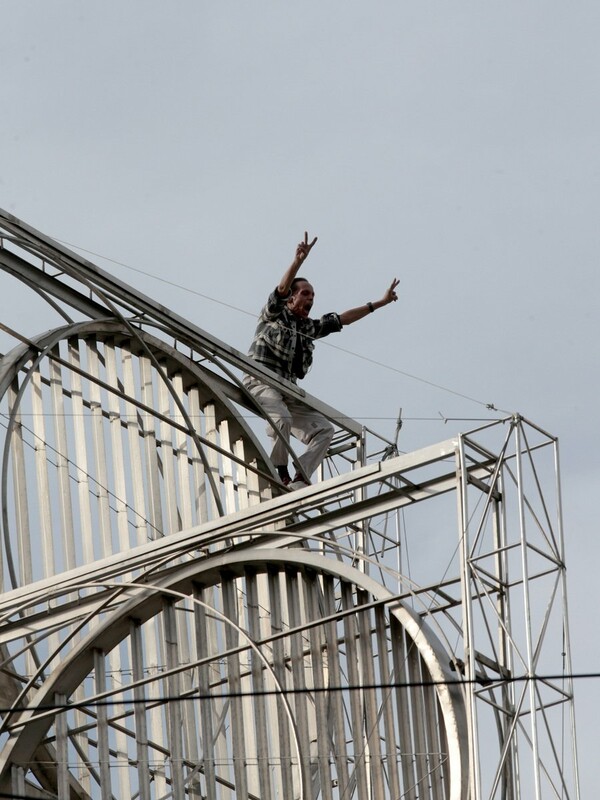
(302, 251)
(304, 248)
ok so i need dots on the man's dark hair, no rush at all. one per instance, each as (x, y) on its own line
(295, 282)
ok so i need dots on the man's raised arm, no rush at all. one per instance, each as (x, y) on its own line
(354, 314)
(302, 252)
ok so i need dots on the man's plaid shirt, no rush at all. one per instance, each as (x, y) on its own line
(279, 332)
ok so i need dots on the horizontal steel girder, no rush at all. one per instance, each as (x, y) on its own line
(151, 558)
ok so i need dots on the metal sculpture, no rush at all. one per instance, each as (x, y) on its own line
(175, 624)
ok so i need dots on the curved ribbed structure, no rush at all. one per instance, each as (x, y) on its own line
(269, 674)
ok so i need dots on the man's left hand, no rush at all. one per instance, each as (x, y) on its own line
(390, 296)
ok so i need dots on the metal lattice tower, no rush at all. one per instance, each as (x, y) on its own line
(175, 624)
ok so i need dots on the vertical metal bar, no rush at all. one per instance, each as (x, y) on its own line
(298, 668)
(117, 461)
(238, 739)
(205, 703)
(335, 696)
(18, 781)
(181, 458)
(139, 711)
(81, 741)
(62, 464)
(20, 492)
(85, 525)
(167, 455)
(104, 759)
(212, 457)
(173, 706)
(154, 665)
(121, 741)
(283, 740)
(227, 467)
(261, 729)
(356, 694)
(527, 611)
(467, 619)
(242, 480)
(43, 484)
(444, 747)
(360, 535)
(317, 649)
(218, 672)
(198, 472)
(134, 445)
(568, 666)
(504, 648)
(403, 702)
(372, 737)
(62, 747)
(433, 748)
(247, 701)
(85, 528)
(101, 470)
(154, 722)
(248, 485)
(391, 747)
(418, 721)
(153, 480)
(120, 490)
(191, 738)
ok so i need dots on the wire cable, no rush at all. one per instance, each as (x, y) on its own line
(368, 359)
(195, 696)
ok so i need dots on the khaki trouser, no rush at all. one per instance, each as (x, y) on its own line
(292, 416)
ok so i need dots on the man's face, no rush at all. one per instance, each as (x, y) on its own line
(301, 300)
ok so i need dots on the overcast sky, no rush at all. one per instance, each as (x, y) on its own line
(453, 145)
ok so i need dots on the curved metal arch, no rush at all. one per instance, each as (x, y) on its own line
(149, 604)
(40, 347)
(177, 595)
(30, 357)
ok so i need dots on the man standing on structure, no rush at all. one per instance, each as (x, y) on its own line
(284, 343)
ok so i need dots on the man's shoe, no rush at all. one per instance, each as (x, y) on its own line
(284, 475)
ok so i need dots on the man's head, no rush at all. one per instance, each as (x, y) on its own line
(302, 297)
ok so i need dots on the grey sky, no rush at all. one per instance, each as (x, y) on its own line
(453, 145)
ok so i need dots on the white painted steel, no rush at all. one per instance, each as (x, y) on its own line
(212, 635)
(294, 664)
(100, 459)
(20, 502)
(63, 478)
(43, 491)
(135, 439)
(84, 490)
